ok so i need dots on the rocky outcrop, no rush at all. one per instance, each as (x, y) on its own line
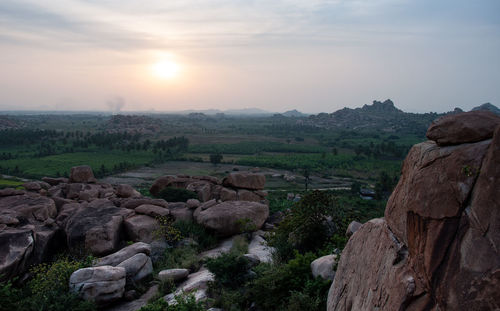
(232, 217)
(437, 248)
(141, 228)
(102, 285)
(323, 267)
(245, 180)
(82, 174)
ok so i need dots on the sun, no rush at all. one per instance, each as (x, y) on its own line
(165, 69)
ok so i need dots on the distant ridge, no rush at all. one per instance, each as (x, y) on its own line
(488, 107)
(294, 113)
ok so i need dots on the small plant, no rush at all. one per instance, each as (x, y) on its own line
(200, 234)
(167, 229)
(230, 269)
(246, 225)
(182, 303)
(240, 245)
(469, 171)
(180, 257)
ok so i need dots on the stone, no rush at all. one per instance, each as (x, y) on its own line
(97, 227)
(124, 254)
(9, 220)
(102, 285)
(175, 275)
(152, 210)
(132, 203)
(208, 204)
(33, 207)
(323, 267)
(126, 191)
(141, 228)
(245, 180)
(182, 214)
(136, 304)
(233, 217)
(245, 195)
(193, 203)
(202, 188)
(467, 127)
(32, 186)
(137, 267)
(16, 247)
(55, 181)
(258, 247)
(223, 247)
(227, 194)
(82, 174)
(10, 192)
(352, 228)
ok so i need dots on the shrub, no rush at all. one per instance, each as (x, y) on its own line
(167, 230)
(171, 194)
(240, 245)
(180, 257)
(230, 269)
(305, 227)
(200, 234)
(183, 303)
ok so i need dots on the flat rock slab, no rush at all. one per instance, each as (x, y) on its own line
(101, 285)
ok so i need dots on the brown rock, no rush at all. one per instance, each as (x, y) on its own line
(55, 181)
(33, 207)
(126, 191)
(467, 127)
(82, 174)
(152, 210)
(10, 191)
(227, 194)
(16, 247)
(133, 203)
(352, 228)
(202, 188)
(245, 195)
(182, 213)
(32, 186)
(227, 218)
(245, 180)
(169, 181)
(141, 228)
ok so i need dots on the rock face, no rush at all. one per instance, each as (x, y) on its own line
(82, 174)
(467, 127)
(102, 285)
(437, 248)
(323, 267)
(245, 181)
(227, 218)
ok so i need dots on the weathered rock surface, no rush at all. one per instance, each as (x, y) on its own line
(352, 228)
(137, 267)
(126, 191)
(258, 247)
(101, 285)
(245, 180)
(97, 227)
(466, 127)
(173, 274)
(227, 218)
(16, 247)
(152, 210)
(141, 228)
(438, 246)
(82, 174)
(323, 267)
(124, 254)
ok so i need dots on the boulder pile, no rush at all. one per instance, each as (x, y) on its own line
(438, 246)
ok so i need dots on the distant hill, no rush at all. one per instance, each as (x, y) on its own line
(488, 107)
(8, 123)
(294, 113)
(384, 116)
(231, 112)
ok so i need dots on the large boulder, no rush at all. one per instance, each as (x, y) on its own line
(152, 210)
(232, 217)
(32, 207)
(126, 191)
(323, 267)
(102, 285)
(82, 174)
(437, 248)
(96, 227)
(124, 254)
(173, 274)
(245, 180)
(202, 188)
(16, 247)
(137, 267)
(466, 127)
(141, 228)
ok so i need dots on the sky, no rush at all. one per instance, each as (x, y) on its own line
(310, 55)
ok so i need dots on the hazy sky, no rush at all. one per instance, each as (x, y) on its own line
(312, 55)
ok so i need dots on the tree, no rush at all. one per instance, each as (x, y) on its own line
(215, 158)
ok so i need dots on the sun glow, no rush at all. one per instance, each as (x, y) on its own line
(166, 69)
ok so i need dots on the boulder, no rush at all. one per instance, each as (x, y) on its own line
(245, 180)
(55, 181)
(102, 285)
(466, 127)
(82, 174)
(16, 247)
(175, 275)
(136, 304)
(193, 203)
(245, 195)
(141, 228)
(126, 191)
(32, 186)
(227, 194)
(33, 207)
(202, 188)
(124, 254)
(352, 228)
(137, 267)
(182, 213)
(10, 192)
(133, 202)
(233, 217)
(323, 267)
(152, 210)
(97, 227)
(258, 247)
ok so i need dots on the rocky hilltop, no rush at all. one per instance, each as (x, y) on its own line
(438, 246)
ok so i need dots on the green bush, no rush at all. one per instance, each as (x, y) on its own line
(180, 257)
(304, 228)
(184, 303)
(200, 234)
(230, 269)
(274, 284)
(48, 290)
(171, 194)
